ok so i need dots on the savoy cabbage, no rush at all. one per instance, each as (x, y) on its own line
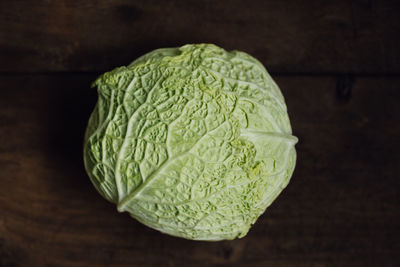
(192, 141)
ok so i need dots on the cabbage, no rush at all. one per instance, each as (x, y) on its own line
(192, 141)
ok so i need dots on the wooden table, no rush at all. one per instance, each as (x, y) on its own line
(337, 63)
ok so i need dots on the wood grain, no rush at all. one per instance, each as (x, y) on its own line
(340, 208)
(289, 36)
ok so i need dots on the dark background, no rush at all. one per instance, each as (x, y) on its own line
(337, 63)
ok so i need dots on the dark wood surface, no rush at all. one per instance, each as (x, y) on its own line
(337, 63)
(339, 210)
(317, 36)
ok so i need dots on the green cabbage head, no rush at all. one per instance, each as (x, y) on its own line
(192, 141)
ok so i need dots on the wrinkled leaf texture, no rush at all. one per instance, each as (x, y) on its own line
(192, 141)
